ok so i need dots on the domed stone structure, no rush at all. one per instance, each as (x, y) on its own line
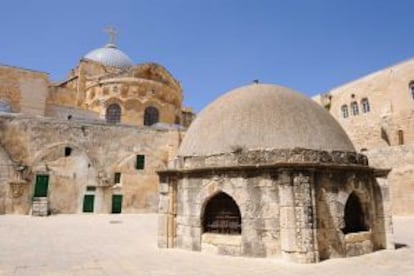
(261, 116)
(111, 56)
(110, 87)
(263, 172)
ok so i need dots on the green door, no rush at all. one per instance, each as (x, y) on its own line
(116, 204)
(88, 202)
(42, 182)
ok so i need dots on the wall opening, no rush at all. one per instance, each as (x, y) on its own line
(222, 216)
(354, 215)
(68, 151)
(151, 116)
(113, 113)
(400, 137)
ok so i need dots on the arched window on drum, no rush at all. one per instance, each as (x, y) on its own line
(151, 116)
(113, 113)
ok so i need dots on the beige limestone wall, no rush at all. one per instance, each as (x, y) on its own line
(24, 90)
(378, 132)
(92, 86)
(98, 150)
(401, 177)
(133, 96)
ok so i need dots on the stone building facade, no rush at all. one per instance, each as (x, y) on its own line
(91, 143)
(377, 113)
(285, 182)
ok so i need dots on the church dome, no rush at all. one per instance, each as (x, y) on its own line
(110, 55)
(263, 116)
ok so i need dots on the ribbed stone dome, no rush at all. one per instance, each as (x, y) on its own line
(110, 55)
(263, 116)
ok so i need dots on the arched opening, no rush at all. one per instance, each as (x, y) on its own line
(344, 110)
(222, 216)
(151, 116)
(411, 85)
(365, 105)
(354, 215)
(113, 113)
(354, 108)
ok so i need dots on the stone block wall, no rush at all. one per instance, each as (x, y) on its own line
(23, 90)
(97, 151)
(377, 132)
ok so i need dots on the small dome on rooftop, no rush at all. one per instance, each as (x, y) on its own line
(110, 55)
(263, 116)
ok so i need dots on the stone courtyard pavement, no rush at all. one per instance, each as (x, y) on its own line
(126, 245)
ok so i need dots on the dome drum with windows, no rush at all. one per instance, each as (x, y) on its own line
(264, 171)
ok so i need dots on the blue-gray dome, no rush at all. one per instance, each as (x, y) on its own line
(110, 55)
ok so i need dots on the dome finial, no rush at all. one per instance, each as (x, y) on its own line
(112, 32)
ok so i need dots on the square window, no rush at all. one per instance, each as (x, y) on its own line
(68, 151)
(117, 177)
(90, 188)
(140, 164)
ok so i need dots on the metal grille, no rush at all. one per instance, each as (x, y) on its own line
(222, 216)
(151, 116)
(113, 114)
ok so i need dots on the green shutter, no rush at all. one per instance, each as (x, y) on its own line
(88, 202)
(41, 185)
(116, 204)
(140, 162)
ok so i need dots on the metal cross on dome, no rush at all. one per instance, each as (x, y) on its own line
(112, 32)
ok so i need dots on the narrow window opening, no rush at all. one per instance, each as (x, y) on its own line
(365, 105)
(113, 114)
(68, 151)
(140, 162)
(117, 177)
(151, 116)
(400, 137)
(355, 109)
(90, 188)
(222, 216)
(412, 89)
(344, 109)
(354, 215)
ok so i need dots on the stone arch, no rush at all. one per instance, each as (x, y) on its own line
(221, 214)
(39, 155)
(354, 186)
(113, 113)
(354, 215)
(151, 115)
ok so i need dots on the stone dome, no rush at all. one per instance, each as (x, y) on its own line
(263, 116)
(110, 55)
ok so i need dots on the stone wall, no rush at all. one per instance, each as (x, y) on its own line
(92, 86)
(257, 199)
(380, 132)
(401, 177)
(97, 151)
(23, 90)
(291, 205)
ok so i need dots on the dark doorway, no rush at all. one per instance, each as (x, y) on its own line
(41, 186)
(354, 215)
(88, 203)
(116, 204)
(222, 215)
